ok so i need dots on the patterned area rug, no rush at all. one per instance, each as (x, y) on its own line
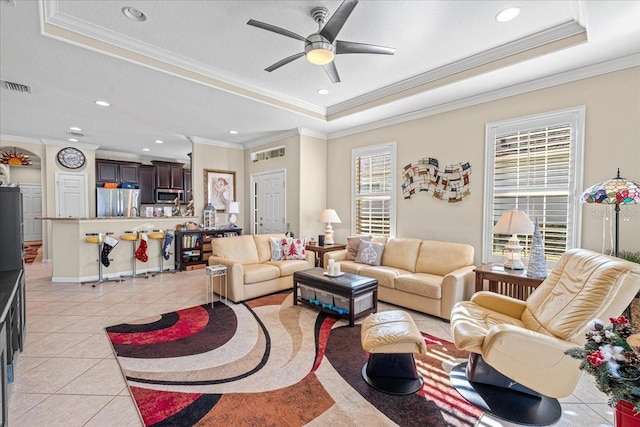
(31, 251)
(267, 362)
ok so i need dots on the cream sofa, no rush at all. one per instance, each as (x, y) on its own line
(423, 275)
(250, 271)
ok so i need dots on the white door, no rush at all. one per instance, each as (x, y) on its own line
(270, 202)
(31, 208)
(71, 195)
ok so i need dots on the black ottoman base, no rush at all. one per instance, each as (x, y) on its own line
(392, 373)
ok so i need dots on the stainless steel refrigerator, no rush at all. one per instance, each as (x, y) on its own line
(117, 202)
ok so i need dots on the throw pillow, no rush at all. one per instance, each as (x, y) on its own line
(370, 253)
(276, 249)
(293, 248)
(353, 244)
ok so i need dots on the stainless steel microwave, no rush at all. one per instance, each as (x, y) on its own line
(167, 195)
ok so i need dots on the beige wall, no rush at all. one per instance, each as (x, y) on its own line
(612, 140)
(205, 156)
(313, 185)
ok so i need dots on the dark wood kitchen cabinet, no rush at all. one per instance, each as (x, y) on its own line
(115, 171)
(168, 175)
(186, 184)
(147, 184)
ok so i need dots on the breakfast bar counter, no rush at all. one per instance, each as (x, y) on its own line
(75, 260)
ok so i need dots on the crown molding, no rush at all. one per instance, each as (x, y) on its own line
(312, 133)
(215, 142)
(213, 77)
(14, 138)
(614, 65)
(541, 38)
(91, 147)
(268, 139)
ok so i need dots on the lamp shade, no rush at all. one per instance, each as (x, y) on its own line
(329, 215)
(234, 207)
(514, 222)
(620, 191)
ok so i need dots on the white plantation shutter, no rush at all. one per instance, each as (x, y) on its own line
(535, 167)
(373, 189)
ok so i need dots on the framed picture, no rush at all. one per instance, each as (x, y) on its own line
(219, 188)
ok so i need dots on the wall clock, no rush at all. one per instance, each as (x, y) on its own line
(71, 158)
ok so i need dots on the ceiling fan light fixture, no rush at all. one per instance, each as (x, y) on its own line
(318, 50)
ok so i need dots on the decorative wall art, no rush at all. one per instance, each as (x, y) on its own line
(450, 184)
(219, 188)
(14, 158)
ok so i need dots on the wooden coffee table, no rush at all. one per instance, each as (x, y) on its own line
(358, 293)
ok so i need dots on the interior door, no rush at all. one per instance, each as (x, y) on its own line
(31, 208)
(71, 195)
(270, 202)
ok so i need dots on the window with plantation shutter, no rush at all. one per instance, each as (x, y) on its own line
(535, 165)
(373, 171)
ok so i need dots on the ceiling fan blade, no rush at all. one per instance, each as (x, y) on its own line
(354, 47)
(334, 25)
(332, 72)
(275, 29)
(284, 61)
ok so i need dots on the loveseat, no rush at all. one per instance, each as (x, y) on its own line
(250, 271)
(423, 275)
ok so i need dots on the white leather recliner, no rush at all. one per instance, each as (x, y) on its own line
(520, 345)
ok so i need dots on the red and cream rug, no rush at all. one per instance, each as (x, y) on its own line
(267, 362)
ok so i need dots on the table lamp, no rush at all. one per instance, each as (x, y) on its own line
(329, 216)
(234, 208)
(513, 222)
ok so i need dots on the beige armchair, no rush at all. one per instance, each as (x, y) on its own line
(519, 345)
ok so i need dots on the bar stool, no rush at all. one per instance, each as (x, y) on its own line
(133, 237)
(160, 235)
(98, 238)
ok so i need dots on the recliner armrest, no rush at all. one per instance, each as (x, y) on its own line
(340, 255)
(499, 303)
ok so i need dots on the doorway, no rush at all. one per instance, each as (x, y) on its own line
(268, 199)
(31, 208)
(71, 195)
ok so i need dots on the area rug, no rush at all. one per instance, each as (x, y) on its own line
(267, 362)
(31, 251)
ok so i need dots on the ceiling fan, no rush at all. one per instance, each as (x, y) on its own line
(321, 46)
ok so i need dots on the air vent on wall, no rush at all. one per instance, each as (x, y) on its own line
(16, 87)
(75, 134)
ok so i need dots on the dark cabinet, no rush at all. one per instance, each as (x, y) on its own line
(129, 172)
(11, 227)
(106, 171)
(168, 175)
(186, 184)
(115, 171)
(147, 184)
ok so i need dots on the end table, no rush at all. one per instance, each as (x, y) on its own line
(513, 283)
(321, 250)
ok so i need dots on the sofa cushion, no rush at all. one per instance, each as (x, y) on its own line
(351, 267)
(423, 284)
(293, 248)
(441, 258)
(263, 245)
(241, 249)
(287, 268)
(401, 253)
(370, 253)
(254, 273)
(384, 275)
(353, 244)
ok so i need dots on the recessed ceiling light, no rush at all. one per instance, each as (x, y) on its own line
(102, 103)
(507, 14)
(134, 14)
(233, 132)
(72, 140)
(159, 141)
(323, 91)
(146, 149)
(75, 129)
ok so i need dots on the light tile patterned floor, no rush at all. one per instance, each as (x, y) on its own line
(68, 375)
